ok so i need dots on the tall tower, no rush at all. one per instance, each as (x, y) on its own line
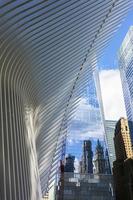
(87, 165)
(107, 163)
(109, 134)
(122, 140)
(126, 72)
(99, 159)
(123, 166)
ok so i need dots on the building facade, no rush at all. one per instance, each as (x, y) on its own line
(84, 187)
(109, 134)
(107, 163)
(123, 165)
(126, 72)
(122, 140)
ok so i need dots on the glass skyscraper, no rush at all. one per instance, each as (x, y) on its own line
(109, 134)
(126, 71)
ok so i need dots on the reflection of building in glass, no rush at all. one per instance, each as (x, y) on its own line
(84, 187)
(126, 70)
(109, 134)
(123, 166)
(69, 164)
(99, 159)
(87, 165)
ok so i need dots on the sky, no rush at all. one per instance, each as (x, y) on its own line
(109, 58)
(112, 94)
(82, 127)
(111, 88)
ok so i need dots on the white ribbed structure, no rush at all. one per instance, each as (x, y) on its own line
(47, 50)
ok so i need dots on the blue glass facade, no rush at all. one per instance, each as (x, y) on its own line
(109, 134)
(126, 71)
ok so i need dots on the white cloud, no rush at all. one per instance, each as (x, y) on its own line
(112, 94)
(86, 123)
(87, 133)
(76, 165)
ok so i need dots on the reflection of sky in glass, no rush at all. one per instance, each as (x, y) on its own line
(87, 123)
